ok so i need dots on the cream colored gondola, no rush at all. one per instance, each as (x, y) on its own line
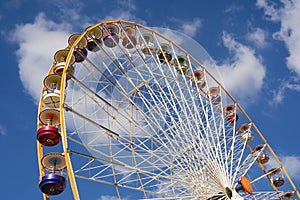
(94, 39)
(60, 58)
(50, 117)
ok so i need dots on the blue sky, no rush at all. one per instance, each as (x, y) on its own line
(256, 45)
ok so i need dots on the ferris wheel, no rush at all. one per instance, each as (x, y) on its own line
(137, 112)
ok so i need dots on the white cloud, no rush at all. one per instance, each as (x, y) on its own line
(271, 13)
(278, 96)
(73, 12)
(69, 10)
(288, 15)
(243, 75)
(232, 8)
(291, 165)
(38, 41)
(191, 28)
(258, 37)
(123, 10)
(127, 4)
(3, 130)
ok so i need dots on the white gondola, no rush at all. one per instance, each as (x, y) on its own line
(51, 98)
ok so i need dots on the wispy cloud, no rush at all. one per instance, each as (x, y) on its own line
(271, 13)
(233, 7)
(288, 15)
(123, 10)
(190, 27)
(279, 95)
(258, 37)
(73, 13)
(127, 4)
(3, 130)
(70, 12)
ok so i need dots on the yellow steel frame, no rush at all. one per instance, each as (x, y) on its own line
(62, 116)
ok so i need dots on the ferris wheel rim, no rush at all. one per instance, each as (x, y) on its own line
(62, 107)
